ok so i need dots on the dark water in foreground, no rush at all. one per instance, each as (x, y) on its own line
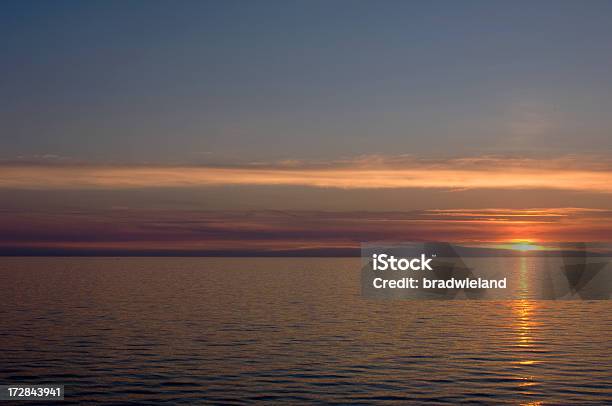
(285, 330)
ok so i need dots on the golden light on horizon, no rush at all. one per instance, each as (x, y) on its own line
(525, 245)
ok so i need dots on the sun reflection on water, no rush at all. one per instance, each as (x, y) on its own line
(524, 327)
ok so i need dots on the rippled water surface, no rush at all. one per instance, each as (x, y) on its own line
(285, 330)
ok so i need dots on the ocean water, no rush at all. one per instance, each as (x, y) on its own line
(235, 331)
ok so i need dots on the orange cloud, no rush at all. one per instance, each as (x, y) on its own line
(360, 174)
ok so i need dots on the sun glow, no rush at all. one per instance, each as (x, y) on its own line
(524, 246)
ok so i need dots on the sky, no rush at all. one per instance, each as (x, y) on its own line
(238, 128)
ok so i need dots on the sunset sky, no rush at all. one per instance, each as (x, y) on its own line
(301, 127)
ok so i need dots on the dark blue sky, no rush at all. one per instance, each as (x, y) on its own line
(239, 81)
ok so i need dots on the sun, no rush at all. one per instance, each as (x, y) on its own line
(524, 246)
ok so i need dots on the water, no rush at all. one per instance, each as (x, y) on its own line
(192, 331)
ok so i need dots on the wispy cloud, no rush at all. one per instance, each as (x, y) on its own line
(243, 232)
(569, 173)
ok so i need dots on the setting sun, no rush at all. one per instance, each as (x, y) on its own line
(524, 246)
(521, 245)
